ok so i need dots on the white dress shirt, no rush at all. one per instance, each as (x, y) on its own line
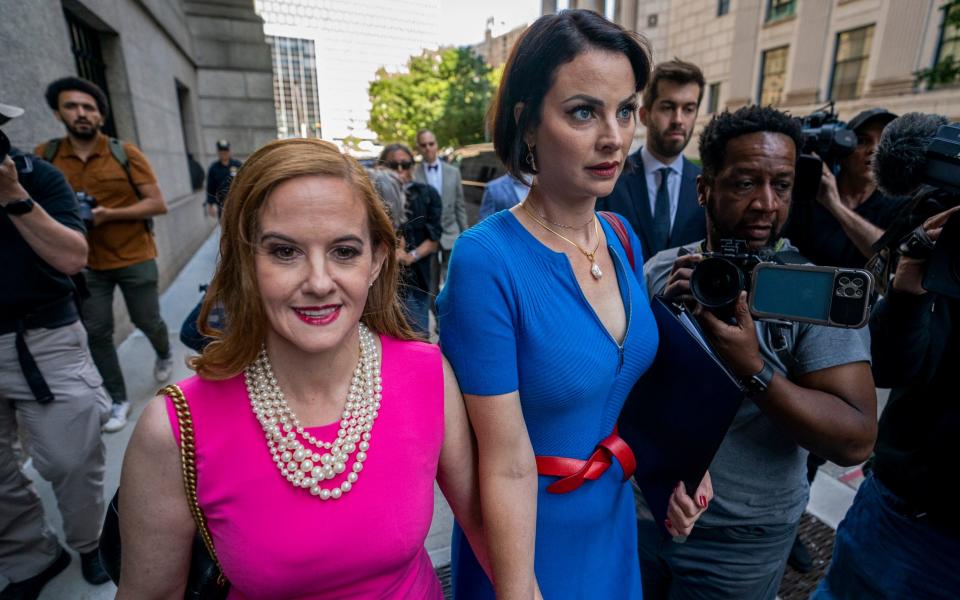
(434, 176)
(651, 167)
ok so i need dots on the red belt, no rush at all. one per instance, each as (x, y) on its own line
(574, 471)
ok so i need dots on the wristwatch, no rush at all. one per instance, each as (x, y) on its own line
(758, 383)
(19, 207)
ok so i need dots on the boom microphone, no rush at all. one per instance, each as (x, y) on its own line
(900, 162)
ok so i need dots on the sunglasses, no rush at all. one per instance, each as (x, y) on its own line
(399, 166)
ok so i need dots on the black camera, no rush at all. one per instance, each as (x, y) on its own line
(779, 290)
(4, 146)
(719, 278)
(87, 204)
(827, 136)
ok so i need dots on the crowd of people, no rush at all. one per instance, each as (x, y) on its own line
(320, 416)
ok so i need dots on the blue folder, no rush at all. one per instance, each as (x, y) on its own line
(678, 413)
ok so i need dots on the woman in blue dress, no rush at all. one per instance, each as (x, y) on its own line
(548, 327)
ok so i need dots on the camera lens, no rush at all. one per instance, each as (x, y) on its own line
(716, 282)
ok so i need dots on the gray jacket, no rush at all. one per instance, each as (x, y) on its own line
(454, 216)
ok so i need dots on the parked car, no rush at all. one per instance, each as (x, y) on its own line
(478, 164)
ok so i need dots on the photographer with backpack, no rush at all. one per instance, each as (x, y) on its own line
(122, 189)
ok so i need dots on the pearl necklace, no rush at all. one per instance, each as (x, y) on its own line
(304, 466)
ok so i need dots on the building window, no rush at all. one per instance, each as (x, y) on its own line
(773, 74)
(850, 63)
(85, 45)
(949, 46)
(713, 98)
(723, 7)
(780, 9)
(295, 92)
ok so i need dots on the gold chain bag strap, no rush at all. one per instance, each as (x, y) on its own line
(199, 585)
(198, 582)
(205, 581)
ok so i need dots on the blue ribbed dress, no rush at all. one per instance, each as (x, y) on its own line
(513, 317)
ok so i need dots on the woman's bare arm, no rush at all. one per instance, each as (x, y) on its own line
(156, 526)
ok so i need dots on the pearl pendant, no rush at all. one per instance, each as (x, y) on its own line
(595, 271)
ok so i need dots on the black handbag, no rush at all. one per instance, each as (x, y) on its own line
(205, 580)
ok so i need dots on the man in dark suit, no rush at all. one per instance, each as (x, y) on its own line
(658, 195)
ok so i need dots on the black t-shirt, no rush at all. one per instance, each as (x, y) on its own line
(219, 176)
(26, 281)
(824, 242)
(916, 350)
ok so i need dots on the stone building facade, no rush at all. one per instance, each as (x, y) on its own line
(495, 49)
(798, 54)
(180, 74)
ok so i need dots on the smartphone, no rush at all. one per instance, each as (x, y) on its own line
(832, 296)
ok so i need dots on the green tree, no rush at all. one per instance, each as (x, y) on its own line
(447, 91)
(947, 69)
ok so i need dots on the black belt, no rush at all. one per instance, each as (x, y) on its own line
(56, 314)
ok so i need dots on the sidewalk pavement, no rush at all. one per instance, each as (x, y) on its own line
(830, 496)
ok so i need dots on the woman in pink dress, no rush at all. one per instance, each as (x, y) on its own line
(320, 422)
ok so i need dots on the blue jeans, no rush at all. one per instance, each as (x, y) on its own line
(881, 552)
(416, 302)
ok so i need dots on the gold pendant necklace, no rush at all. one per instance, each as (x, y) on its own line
(594, 267)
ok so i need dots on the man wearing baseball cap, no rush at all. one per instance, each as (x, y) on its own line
(49, 385)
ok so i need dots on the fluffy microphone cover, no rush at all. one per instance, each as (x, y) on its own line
(900, 159)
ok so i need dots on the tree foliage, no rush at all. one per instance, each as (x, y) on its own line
(447, 91)
(947, 69)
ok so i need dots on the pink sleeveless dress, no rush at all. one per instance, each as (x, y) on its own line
(278, 542)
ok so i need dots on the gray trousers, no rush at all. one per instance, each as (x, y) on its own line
(62, 437)
(138, 284)
(744, 562)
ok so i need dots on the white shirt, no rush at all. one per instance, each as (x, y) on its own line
(522, 188)
(651, 168)
(434, 176)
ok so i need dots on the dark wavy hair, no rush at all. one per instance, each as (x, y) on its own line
(76, 84)
(727, 125)
(393, 147)
(552, 41)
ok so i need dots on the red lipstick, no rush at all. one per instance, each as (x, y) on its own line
(318, 315)
(604, 170)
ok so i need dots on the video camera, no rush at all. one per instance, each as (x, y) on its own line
(827, 136)
(826, 140)
(780, 287)
(921, 154)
